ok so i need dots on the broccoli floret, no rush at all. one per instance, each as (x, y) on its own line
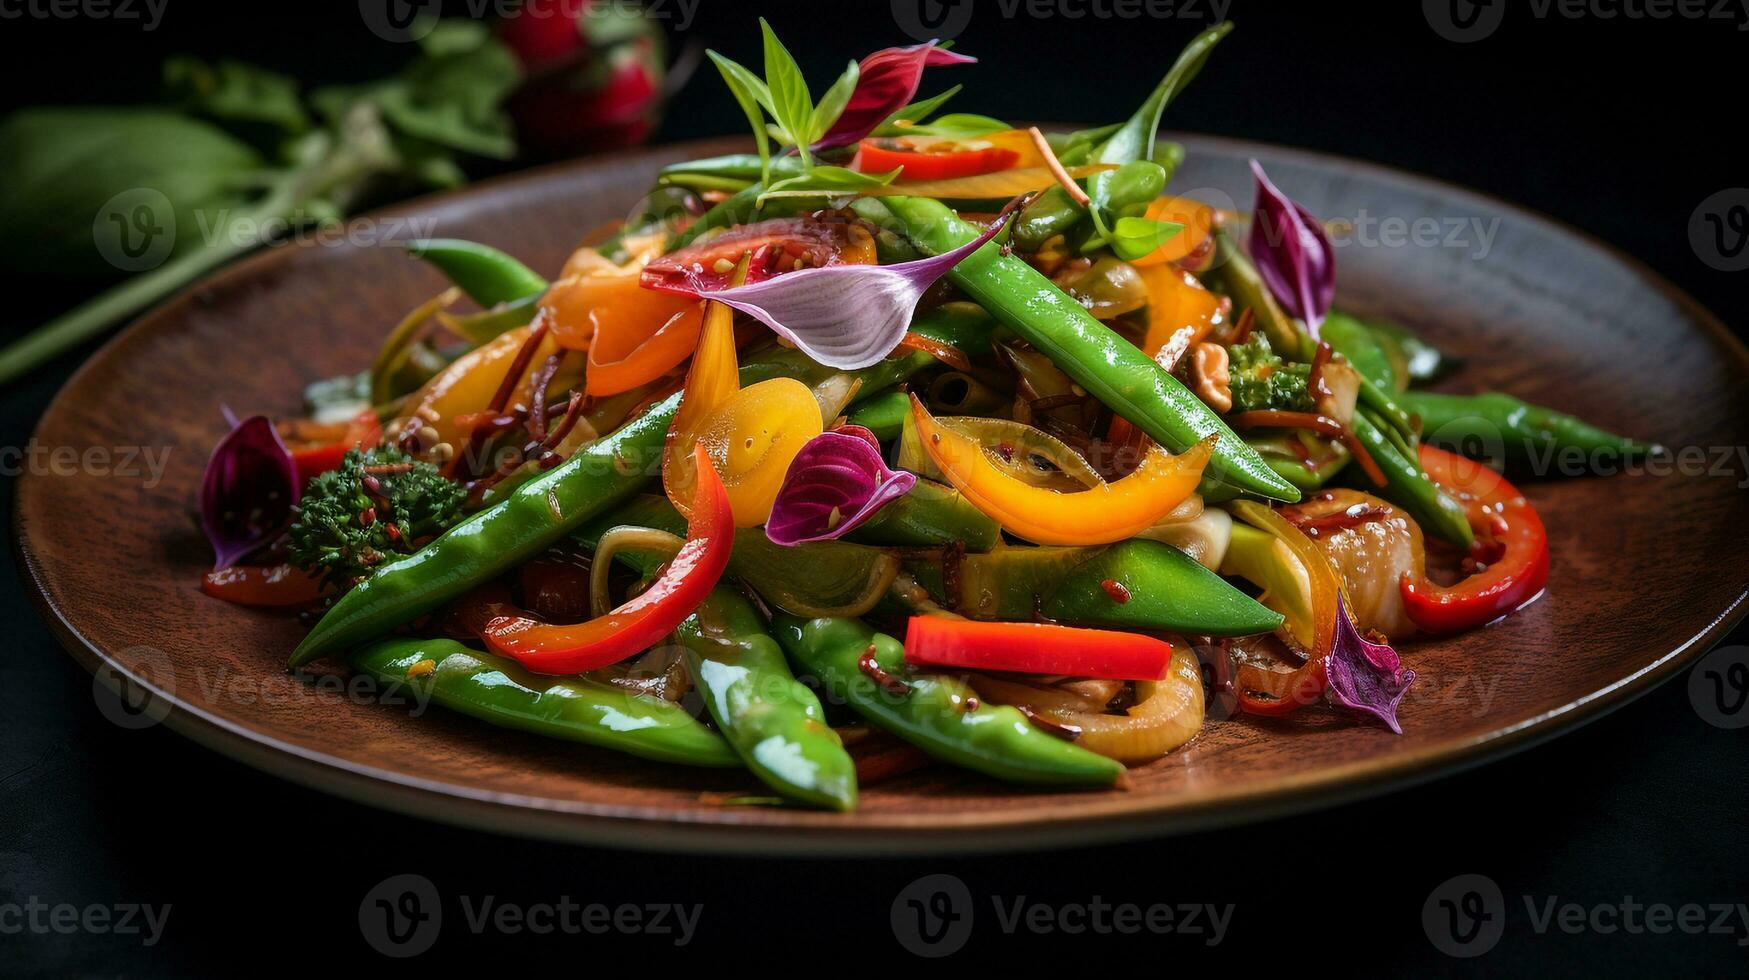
(1261, 381)
(378, 505)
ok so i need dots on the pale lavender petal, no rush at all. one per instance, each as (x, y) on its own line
(1366, 676)
(835, 471)
(846, 316)
(1292, 253)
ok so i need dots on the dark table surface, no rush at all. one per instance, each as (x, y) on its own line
(1617, 848)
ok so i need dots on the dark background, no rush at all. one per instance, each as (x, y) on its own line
(1616, 126)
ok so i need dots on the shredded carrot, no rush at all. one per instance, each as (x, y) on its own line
(1074, 190)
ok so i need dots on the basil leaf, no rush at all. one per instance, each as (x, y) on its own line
(1134, 140)
(1133, 238)
(750, 93)
(832, 103)
(916, 112)
(828, 181)
(791, 103)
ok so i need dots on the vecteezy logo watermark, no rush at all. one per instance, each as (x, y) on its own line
(1718, 687)
(136, 698)
(1718, 230)
(135, 230)
(1464, 21)
(928, 20)
(1466, 916)
(148, 12)
(933, 917)
(942, 19)
(33, 915)
(400, 21)
(403, 915)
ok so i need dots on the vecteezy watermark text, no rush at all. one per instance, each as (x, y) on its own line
(149, 13)
(1464, 21)
(33, 915)
(934, 917)
(403, 916)
(945, 19)
(1466, 916)
(121, 462)
(410, 20)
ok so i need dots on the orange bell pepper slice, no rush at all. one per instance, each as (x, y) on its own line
(633, 335)
(1180, 313)
(642, 622)
(364, 431)
(1100, 515)
(1193, 243)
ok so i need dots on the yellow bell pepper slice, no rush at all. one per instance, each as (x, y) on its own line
(467, 385)
(753, 437)
(1099, 515)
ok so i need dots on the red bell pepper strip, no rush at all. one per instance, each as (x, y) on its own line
(925, 164)
(279, 586)
(1035, 648)
(642, 622)
(364, 431)
(1506, 525)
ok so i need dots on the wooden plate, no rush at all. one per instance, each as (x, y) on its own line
(1647, 568)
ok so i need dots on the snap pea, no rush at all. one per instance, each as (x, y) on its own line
(1050, 214)
(774, 722)
(592, 481)
(930, 515)
(488, 276)
(884, 414)
(1142, 584)
(935, 712)
(1094, 355)
(1495, 422)
(1420, 361)
(1350, 337)
(734, 166)
(498, 691)
(1407, 485)
(1135, 584)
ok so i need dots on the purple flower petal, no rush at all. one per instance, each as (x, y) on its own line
(887, 82)
(1292, 253)
(247, 494)
(1366, 676)
(835, 471)
(847, 316)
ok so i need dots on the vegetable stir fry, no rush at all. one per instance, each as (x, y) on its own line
(914, 436)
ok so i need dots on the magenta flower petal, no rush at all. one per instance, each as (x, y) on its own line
(836, 472)
(887, 83)
(1292, 253)
(1366, 676)
(247, 494)
(846, 316)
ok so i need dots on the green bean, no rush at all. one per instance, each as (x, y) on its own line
(884, 414)
(774, 722)
(498, 691)
(935, 712)
(1095, 356)
(488, 276)
(1408, 486)
(930, 515)
(1495, 422)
